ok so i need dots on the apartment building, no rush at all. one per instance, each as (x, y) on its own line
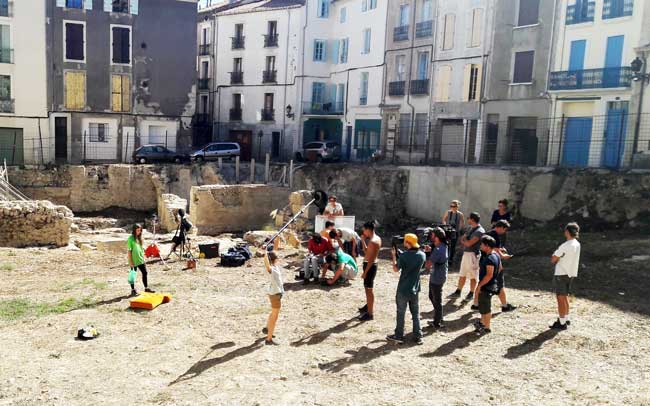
(23, 98)
(591, 81)
(461, 52)
(406, 101)
(342, 69)
(121, 73)
(248, 67)
(516, 106)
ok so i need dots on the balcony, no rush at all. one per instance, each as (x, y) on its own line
(591, 79)
(396, 88)
(6, 55)
(7, 106)
(363, 100)
(203, 84)
(401, 33)
(270, 40)
(581, 12)
(238, 42)
(322, 109)
(204, 49)
(420, 86)
(269, 76)
(617, 8)
(236, 78)
(424, 29)
(6, 8)
(201, 118)
(235, 114)
(268, 115)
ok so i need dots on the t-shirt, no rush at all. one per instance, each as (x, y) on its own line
(410, 263)
(351, 270)
(496, 216)
(439, 256)
(336, 209)
(471, 233)
(321, 248)
(569, 253)
(347, 234)
(137, 252)
(275, 281)
(493, 233)
(485, 261)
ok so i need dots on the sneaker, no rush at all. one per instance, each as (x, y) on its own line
(508, 308)
(305, 282)
(366, 317)
(474, 307)
(435, 324)
(568, 322)
(469, 296)
(483, 331)
(418, 341)
(558, 326)
(394, 338)
(271, 342)
(478, 325)
(456, 293)
(149, 290)
(363, 309)
(134, 293)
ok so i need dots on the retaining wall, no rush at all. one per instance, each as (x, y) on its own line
(34, 223)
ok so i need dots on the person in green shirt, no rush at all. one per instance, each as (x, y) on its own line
(344, 266)
(136, 258)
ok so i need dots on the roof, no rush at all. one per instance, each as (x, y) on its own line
(246, 6)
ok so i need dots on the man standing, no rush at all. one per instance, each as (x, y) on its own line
(498, 233)
(333, 208)
(408, 288)
(456, 218)
(437, 261)
(471, 253)
(566, 259)
(487, 286)
(369, 269)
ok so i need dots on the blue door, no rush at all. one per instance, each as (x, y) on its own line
(615, 131)
(613, 57)
(577, 140)
(577, 61)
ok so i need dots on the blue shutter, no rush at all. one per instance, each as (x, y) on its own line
(614, 52)
(134, 7)
(60, 3)
(344, 50)
(364, 5)
(108, 5)
(331, 97)
(373, 4)
(88, 4)
(577, 55)
(335, 51)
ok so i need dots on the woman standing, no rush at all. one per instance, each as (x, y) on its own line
(454, 217)
(275, 292)
(136, 259)
(333, 208)
(438, 264)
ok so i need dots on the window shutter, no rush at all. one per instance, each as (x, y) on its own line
(315, 55)
(479, 77)
(443, 83)
(467, 77)
(324, 48)
(335, 51)
(88, 4)
(477, 22)
(469, 27)
(108, 5)
(332, 94)
(133, 7)
(60, 3)
(116, 89)
(448, 41)
(126, 45)
(364, 5)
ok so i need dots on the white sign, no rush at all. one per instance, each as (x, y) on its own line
(339, 221)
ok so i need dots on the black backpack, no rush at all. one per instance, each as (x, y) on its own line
(236, 256)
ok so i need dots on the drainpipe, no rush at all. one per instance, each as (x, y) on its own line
(214, 78)
(284, 97)
(431, 76)
(548, 79)
(637, 125)
(302, 73)
(408, 94)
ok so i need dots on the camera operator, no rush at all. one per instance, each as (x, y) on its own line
(454, 217)
(437, 264)
(180, 237)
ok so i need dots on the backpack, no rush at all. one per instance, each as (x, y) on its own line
(232, 258)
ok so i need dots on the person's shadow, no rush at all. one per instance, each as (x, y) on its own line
(364, 354)
(298, 286)
(530, 345)
(319, 337)
(205, 364)
(458, 343)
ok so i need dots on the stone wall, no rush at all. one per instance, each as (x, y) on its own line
(217, 209)
(168, 205)
(34, 223)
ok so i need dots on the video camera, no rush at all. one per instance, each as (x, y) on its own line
(396, 242)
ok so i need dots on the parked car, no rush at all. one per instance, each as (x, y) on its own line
(216, 150)
(157, 153)
(320, 151)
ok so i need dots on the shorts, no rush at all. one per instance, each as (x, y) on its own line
(485, 302)
(501, 283)
(276, 301)
(562, 285)
(369, 282)
(469, 266)
(349, 273)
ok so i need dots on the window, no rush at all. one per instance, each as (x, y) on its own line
(400, 63)
(5, 87)
(426, 13)
(448, 34)
(617, 8)
(317, 92)
(363, 91)
(75, 90)
(523, 71)
(472, 83)
(270, 63)
(239, 31)
(404, 15)
(340, 96)
(421, 129)
(4, 8)
(205, 70)
(366, 41)
(204, 104)
(528, 12)
(372, 4)
(236, 64)
(5, 44)
(121, 93)
(323, 10)
(474, 39)
(121, 46)
(97, 132)
(120, 6)
(205, 36)
(236, 101)
(345, 45)
(423, 66)
(343, 15)
(319, 50)
(443, 83)
(74, 42)
(73, 3)
(580, 11)
(364, 5)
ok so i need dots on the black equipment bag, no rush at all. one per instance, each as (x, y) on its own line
(232, 258)
(243, 249)
(209, 250)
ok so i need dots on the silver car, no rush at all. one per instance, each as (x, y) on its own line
(320, 151)
(216, 150)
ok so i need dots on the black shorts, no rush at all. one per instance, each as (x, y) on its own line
(369, 281)
(562, 285)
(485, 302)
(501, 283)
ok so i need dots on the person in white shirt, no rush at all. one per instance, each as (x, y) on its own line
(348, 239)
(566, 259)
(333, 208)
(275, 292)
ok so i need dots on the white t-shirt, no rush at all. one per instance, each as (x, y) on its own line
(275, 281)
(569, 254)
(348, 234)
(336, 209)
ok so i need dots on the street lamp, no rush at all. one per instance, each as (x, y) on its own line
(289, 113)
(636, 65)
(639, 67)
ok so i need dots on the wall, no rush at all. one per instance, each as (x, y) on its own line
(34, 223)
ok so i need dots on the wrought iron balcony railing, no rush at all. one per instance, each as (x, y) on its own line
(401, 33)
(322, 108)
(236, 78)
(396, 88)
(424, 29)
(268, 114)
(269, 76)
(270, 40)
(420, 86)
(203, 84)
(591, 79)
(238, 42)
(204, 49)
(235, 114)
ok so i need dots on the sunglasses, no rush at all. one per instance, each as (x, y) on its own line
(453, 207)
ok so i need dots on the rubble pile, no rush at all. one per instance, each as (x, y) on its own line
(34, 223)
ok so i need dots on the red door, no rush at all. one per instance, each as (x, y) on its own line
(245, 140)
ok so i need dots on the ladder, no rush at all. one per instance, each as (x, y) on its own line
(7, 191)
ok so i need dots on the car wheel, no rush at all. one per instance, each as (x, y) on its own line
(199, 159)
(142, 160)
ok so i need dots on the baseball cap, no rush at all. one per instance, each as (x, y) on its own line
(412, 239)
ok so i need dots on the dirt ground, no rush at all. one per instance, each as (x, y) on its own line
(205, 346)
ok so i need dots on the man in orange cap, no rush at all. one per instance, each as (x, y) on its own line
(409, 263)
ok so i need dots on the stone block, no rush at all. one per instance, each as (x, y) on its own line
(34, 223)
(112, 245)
(168, 205)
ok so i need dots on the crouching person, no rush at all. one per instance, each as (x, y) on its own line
(318, 248)
(344, 266)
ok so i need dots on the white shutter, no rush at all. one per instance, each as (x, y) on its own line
(88, 4)
(108, 5)
(133, 7)
(467, 78)
(60, 3)
(477, 20)
(443, 84)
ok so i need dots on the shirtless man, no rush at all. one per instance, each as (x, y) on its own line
(371, 250)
